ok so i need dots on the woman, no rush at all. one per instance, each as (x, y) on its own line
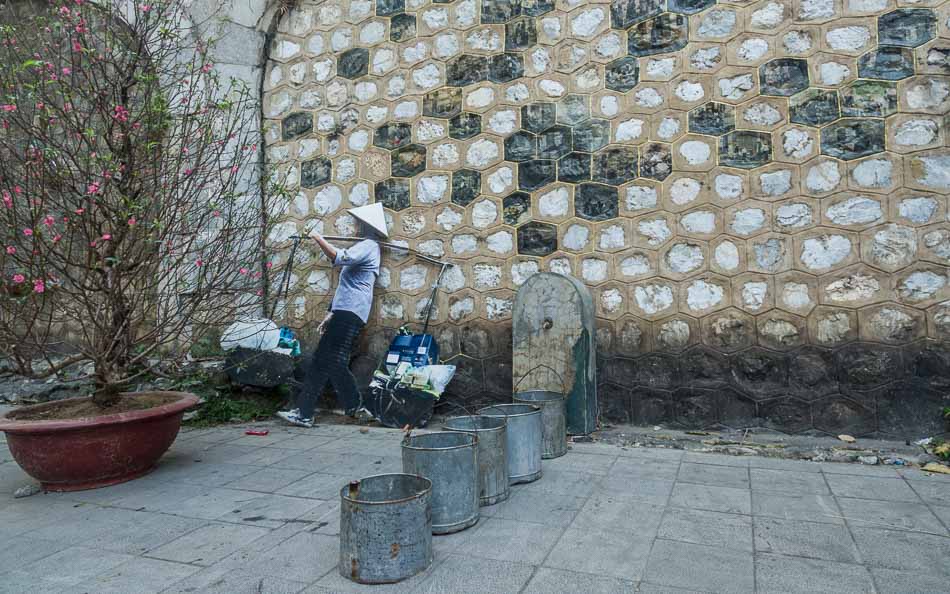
(348, 313)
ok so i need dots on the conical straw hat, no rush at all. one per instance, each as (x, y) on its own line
(372, 215)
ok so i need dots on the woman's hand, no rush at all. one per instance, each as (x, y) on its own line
(323, 325)
(328, 249)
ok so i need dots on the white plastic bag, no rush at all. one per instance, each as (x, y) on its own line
(440, 376)
(261, 335)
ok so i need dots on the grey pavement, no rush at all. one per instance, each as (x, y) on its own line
(230, 513)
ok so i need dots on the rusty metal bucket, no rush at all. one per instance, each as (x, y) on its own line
(450, 460)
(385, 528)
(492, 454)
(523, 434)
(553, 420)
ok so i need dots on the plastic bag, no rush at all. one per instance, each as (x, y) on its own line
(261, 335)
(440, 376)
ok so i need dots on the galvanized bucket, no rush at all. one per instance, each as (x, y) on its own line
(553, 420)
(492, 454)
(450, 460)
(524, 431)
(385, 528)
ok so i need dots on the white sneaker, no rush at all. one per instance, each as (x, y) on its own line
(293, 417)
(363, 414)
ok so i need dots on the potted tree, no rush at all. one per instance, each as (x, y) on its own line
(129, 223)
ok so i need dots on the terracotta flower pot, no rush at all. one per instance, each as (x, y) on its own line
(77, 454)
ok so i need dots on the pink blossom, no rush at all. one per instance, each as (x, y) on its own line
(145, 7)
(79, 211)
(120, 113)
(64, 11)
(39, 286)
(269, 265)
(11, 250)
(7, 107)
(106, 237)
(189, 171)
(199, 262)
(242, 271)
(216, 213)
(57, 237)
(207, 68)
(67, 71)
(7, 199)
(92, 244)
(49, 221)
(40, 105)
(18, 278)
(132, 222)
(77, 47)
(28, 232)
(93, 188)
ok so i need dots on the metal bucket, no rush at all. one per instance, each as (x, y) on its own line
(492, 454)
(553, 420)
(523, 439)
(450, 460)
(385, 528)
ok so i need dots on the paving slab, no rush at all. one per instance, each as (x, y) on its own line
(604, 553)
(894, 581)
(510, 540)
(729, 531)
(805, 539)
(867, 487)
(137, 576)
(812, 508)
(552, 510)
(721, 499)
(710, 474)
(699, 567)
(474, 575)
(788, 481)
(646, 490)
(912, 551)
(620, 514)
(208, 544)
(556, 581)
(221, 580)
(776, 574)
(894, 515)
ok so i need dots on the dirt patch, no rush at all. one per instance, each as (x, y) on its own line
(85, 408)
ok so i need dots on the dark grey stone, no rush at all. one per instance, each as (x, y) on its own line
(624, 13)
(656, 162)
(852, 139)
(908, 27)
(392, 135)
(689, 6)
(837, 414)
(497, 12)
(622, 74)
(443, 103)
(555, 142)
(517, 208)
(596, 202)
(574, 168)
(465, 125)
(393, 193)
(695, 408)
(866, 366)
(615, 165)
(783, 77)
(408, 160)
(887, 63)
(521, 146)
(296, 124)
(573, 109)
(389, 7)
(814, 107)
(712, 118)
(538, 117)
(537, 239)
(402, 27)
(745, 149)
(663, 34)
(786, 414)
(465, 70)
(505, 67)
(759, 371)
(315, 172)
(520, 34)
(536, 174)
(868, 98)
(353, 63)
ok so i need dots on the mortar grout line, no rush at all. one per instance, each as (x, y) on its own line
(666, 507)
(854, 542)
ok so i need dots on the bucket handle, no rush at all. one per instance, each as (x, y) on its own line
(549, 368)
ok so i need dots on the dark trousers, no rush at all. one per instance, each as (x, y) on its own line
(331, 361)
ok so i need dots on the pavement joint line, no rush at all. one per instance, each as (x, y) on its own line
(927, 504)
(858, 554)
(666, 507)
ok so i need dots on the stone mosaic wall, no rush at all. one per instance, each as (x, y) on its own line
(754, 192)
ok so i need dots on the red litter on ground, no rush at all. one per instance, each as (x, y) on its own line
(260, 432)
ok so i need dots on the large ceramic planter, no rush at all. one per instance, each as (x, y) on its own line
(72, 455)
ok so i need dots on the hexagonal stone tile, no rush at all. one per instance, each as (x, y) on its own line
(689, 6)
(536, 174)
(596, 202)
(622, 74)
(392, 135)
(573, 109)
(745, 149)
(353, 63)
(814, 107)
(537, 239)
(520, 34)
(466, 185)
(537, 117)
(389, 7)
(591, 135)
(656, 161)
(465, 125)
(402, 27)
(574, 168)
(783, 77)
(615, 165)
(296, 124)
(555, 142)
(442, 103)
(712, 118)
(466, 70)
(315, 172)
(521, 146)
(505, 67)
(516, 208)
(624, 13)
(408, 160)
(887, 63)
(909, 27)
(663, 34)
(499, 11)
(393, 193)
(869, 98)
(850, 139)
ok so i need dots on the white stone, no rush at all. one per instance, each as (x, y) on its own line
(684, 258)
(319, 282)
(674, 334)
(649, 97)
(689, 91)
(813, 10)
(893, 324)
(341, 39)
(796, 42)
(702, 295)
(330, 14)
(497, 308)
(753, 294)
(463, 244)
(372, 33)
(794, 215)
(327, 200)
(413, 223)
(636, 265)
(728, 186)
(921, 285)
(609, 105)
(833, 73)
(929, 94)
(434, 248)
(736, 87)
(938, 242)
(668, 128)
(446, 46)
(481, 153)
(432, 188)
(762, 114)
(560, 266)
(834, 328)
(916, 133)
(484, 40)
(611, 300)
(429, 130)
(823, 177)
(594, 270)
(551, 27)
(540, 60)
(587, 22)
(486, 276)
(308, 147)
(481, 97)
(503, 122)
(517, 93)
(359, 194)
(326, 122)
(919, 210)
(661, 68)
(396, 87)
(436, 18)
(484, 213)
(705, 58)
(281, 232)
(769, 16)
(700, 221)
(856, 287)
(781, 331)
(684, 190)
(727, 255)
(406, 110)
(466, 13)
(894, 246)
(461, 308)
(748, 220)
(445, 154)
(696, 152)
(752, 49)
(377, 113)
(934, 171)
(612, 237)
(448, 219)
(795, 295)
(337, 94)
(825, 251)
(521, 271)
(427, 77)
(609, 46)
(867, 5)
(501, 180)
(851, 38)
(776, 183)
(576, 237)
(641, 197)
(717, 23)
(285, 49)
(873, 173)
(280, 103)
(345, 170)
(315, 44)
(798, 144)
(551, 88)
(358, 141)
(653, 299)
(629, 130)
(501, 242)
(657, 231)
(857, 210)
(413, 277)
(554, 203)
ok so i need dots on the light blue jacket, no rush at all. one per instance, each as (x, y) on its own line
(360, 267)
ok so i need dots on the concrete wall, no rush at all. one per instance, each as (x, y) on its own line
(754, 192)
